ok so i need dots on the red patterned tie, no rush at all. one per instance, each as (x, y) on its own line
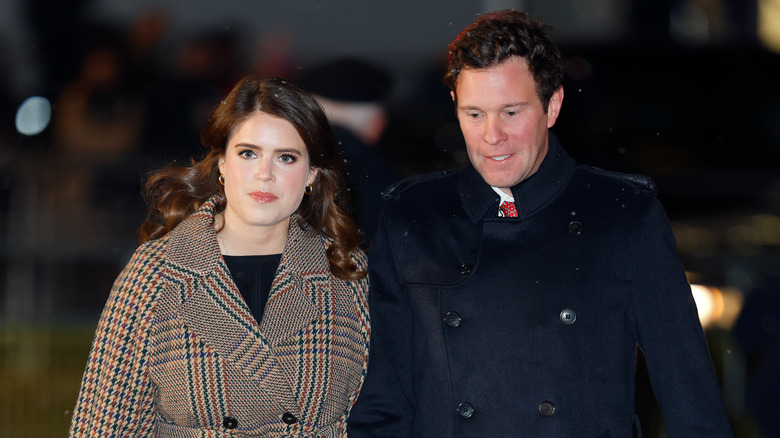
(509, 209)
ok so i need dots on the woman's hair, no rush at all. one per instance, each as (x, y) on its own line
(174, 192)
(496, 37)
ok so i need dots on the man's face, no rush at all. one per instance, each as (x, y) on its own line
(503, 122)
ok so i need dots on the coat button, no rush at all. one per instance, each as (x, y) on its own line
(575, 227)
(229, 423)
(289, 418)
(465, 269)
(465, 410)
(452, 319)
(568, 316)
(547, 408)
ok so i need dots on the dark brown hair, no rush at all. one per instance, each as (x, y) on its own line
(498, 36)
(174, 192)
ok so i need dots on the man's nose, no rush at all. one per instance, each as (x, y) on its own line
(494, 132)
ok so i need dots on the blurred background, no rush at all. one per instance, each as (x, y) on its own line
(96, 93)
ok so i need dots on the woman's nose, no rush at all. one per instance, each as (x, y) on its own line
(264, 170)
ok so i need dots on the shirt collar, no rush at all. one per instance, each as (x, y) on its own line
(530, 194)
(502, 194)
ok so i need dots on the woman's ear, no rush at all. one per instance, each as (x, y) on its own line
(221, 165)
(313, 172)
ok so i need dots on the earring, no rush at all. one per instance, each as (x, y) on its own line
(308, 189)
(221, 179)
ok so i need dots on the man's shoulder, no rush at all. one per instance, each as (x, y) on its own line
(637, 183)
(433, 184)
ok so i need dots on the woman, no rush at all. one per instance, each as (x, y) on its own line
(243, 312)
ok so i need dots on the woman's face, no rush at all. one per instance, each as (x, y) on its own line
(266, 170)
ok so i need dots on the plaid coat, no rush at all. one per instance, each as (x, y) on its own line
(178, 354)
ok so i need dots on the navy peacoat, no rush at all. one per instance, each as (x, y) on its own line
(529, 326)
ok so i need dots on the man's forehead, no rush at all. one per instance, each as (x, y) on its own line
(504, 85)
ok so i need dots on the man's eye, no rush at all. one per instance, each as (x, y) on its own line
(474, 115)
(511, 113)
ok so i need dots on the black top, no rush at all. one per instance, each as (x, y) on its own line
(254, 275)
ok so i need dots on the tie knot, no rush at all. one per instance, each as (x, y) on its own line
(508, 208)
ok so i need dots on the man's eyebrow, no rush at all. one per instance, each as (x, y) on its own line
(511, 105)
(505, 106)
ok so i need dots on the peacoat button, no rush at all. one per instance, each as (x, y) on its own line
(465, 269)
(575, 227)
(229, 423)
(289, 418)
(465, 410)
(452, 319)
(568, 316)
(547, 408)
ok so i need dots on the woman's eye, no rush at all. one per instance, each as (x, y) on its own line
(288, 158)
(246, 153)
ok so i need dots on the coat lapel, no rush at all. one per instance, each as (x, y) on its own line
(300, 286)
(215, 311)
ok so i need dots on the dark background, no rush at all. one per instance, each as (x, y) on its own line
(686, 92)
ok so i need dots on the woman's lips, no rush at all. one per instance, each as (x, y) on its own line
(263, 197)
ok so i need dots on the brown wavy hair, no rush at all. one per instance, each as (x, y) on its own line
(499, 35)
(175, 192)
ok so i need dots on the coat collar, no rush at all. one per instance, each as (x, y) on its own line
(530, 194)
(214, 309)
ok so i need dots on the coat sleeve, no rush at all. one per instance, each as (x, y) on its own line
(671, 337)
(117, 396)
(384, 408)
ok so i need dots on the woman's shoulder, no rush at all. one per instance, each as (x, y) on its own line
(360, 259)
(357, 256)
(134, 290)
(152, 247)
(147, 257)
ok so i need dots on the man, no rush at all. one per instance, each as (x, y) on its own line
(353, 93)
(525, 320)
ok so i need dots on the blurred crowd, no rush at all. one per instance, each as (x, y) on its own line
(124, 104)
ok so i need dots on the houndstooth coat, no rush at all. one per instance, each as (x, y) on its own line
(178, 354)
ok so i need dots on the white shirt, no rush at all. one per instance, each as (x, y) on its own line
(504, 197)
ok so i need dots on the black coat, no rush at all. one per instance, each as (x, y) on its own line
(500, 327)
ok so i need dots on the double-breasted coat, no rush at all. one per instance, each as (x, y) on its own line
(178, 354)
(485, 326)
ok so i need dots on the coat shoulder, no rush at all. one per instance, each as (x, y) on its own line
(640, 184)
(358, 256)
(421, 187)
(149, 256)
(144, 269)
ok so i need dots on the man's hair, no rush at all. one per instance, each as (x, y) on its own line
(496, 37)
